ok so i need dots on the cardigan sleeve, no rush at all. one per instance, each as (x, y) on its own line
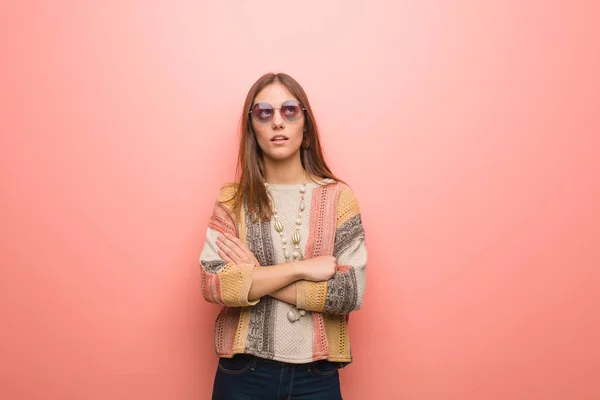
(224, 283)
(344, 292)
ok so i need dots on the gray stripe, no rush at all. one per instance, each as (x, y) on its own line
(213, 266)
(341, 293)
(342, 288)
(348, 233)
(261, 326)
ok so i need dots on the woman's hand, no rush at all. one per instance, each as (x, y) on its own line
(318, 269)
(233, 250)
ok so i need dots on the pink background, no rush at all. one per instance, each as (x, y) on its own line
(469, 130)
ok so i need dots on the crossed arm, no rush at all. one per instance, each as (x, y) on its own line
(230, 276)
(278, 281)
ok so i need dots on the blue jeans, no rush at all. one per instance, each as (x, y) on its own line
(246, 377)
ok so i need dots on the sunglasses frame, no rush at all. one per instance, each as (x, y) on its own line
(276, 108)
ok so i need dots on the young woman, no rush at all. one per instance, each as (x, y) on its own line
(285, 255)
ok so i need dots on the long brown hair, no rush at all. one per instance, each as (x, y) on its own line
(250, 167)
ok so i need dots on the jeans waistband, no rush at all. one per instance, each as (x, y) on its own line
(308, 364)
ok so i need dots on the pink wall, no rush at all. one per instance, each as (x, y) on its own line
(469, 132)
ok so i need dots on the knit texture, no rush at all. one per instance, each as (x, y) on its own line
(331, 225)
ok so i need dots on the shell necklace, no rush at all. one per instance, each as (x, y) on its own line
(294, 314)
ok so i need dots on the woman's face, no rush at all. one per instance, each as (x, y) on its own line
(278, 138)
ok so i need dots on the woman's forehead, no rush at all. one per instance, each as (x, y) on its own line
(275, 94)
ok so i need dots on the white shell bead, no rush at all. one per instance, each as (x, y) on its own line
(302, 207)
(296, 254)
(303, 312)
(292, 316)
(298, 221)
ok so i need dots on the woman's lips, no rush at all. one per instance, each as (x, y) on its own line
(279, 141)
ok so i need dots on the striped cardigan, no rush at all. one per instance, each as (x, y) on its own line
(243, 326)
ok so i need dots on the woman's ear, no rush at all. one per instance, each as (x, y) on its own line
(305, 140)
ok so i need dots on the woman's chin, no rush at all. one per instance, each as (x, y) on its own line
(283, 155)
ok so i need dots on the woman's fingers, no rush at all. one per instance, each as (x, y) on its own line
(243, 247)
(236, 250)
(227, 251)
(225, 257)
(247, 254)
(229, 243)
(235, 240)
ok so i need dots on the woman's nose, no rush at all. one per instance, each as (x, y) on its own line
(277, 121)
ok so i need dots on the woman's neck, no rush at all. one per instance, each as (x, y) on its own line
(284, 172)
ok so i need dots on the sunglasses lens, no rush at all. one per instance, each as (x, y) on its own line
(291, 110)
(262, 112)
